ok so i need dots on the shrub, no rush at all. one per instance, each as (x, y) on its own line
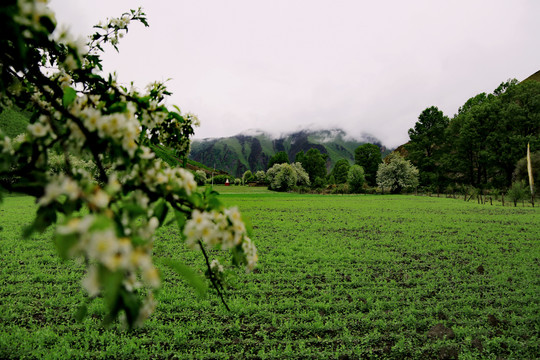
(221, 179)
(356, 179)
(340, 189)
(303, 177)
(284, 177)
(248, 177)
(260, 177)
(517, 192)
(319, 183)
(200, 177)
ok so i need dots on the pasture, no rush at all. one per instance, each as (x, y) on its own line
(344, 277)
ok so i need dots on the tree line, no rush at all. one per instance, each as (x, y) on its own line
(481, 145)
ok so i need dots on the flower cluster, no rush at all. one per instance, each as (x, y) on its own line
(223, 230)
(156, 175)
(110, 253)
(113, 29)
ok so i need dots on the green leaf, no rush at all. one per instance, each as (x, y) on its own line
(160, 210)
(248, 224)
(69, 96)
(180, 219)
(133, 209)
(177, 116)
(45, 216)
(193, 279)
(131, 305)
(64, 243)
(197, 200)
(101, 223)
(112, 282)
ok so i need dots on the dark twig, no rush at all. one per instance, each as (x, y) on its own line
(212, 277)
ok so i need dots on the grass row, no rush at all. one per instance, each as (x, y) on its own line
(353, 276)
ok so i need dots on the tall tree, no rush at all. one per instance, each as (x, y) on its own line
(518, 123)
(425, 146)
(368, 156)
(315, 164)
(280, 157)
(356, 178)
(340, 171)
(490, 133)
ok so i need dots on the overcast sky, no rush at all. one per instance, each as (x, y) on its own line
(283, 65)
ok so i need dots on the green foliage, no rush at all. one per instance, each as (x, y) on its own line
(490, 133)
(13, 122)
(397, 174)
(385, 273)
(320, 183)
(521, 172)
(284, 177)
(426, 146)
(248, 177)
(221, 179)
(314, 163)
(368, 156)
(340, 171)
(165, 154)
(280, 157)
(517, 192)
(200, 177)
(356, 178)
(260, 177)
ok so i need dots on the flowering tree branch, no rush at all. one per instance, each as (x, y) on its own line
(111, 215)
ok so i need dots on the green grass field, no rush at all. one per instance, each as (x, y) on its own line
(352, 276)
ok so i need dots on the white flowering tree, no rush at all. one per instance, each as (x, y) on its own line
(283, 177)
(396, 173)
(109, 218)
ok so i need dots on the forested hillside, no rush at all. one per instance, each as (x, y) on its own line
(240, 153)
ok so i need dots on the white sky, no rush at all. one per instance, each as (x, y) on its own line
(283, 65)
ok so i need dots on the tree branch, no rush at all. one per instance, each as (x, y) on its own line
(212, 276)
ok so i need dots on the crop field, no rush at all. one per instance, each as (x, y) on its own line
(339, 277)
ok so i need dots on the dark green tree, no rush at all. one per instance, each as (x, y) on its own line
(299, 157)
(489, 135)
(315, 164)
(517, 107)
(425, 147)
(521, 172)
(280, 157)
(340, 171)
(466, 156)
(356, 178)
(368, 156)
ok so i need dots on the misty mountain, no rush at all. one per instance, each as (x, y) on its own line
(252, 151)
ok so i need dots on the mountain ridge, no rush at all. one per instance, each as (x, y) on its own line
(252, 149)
